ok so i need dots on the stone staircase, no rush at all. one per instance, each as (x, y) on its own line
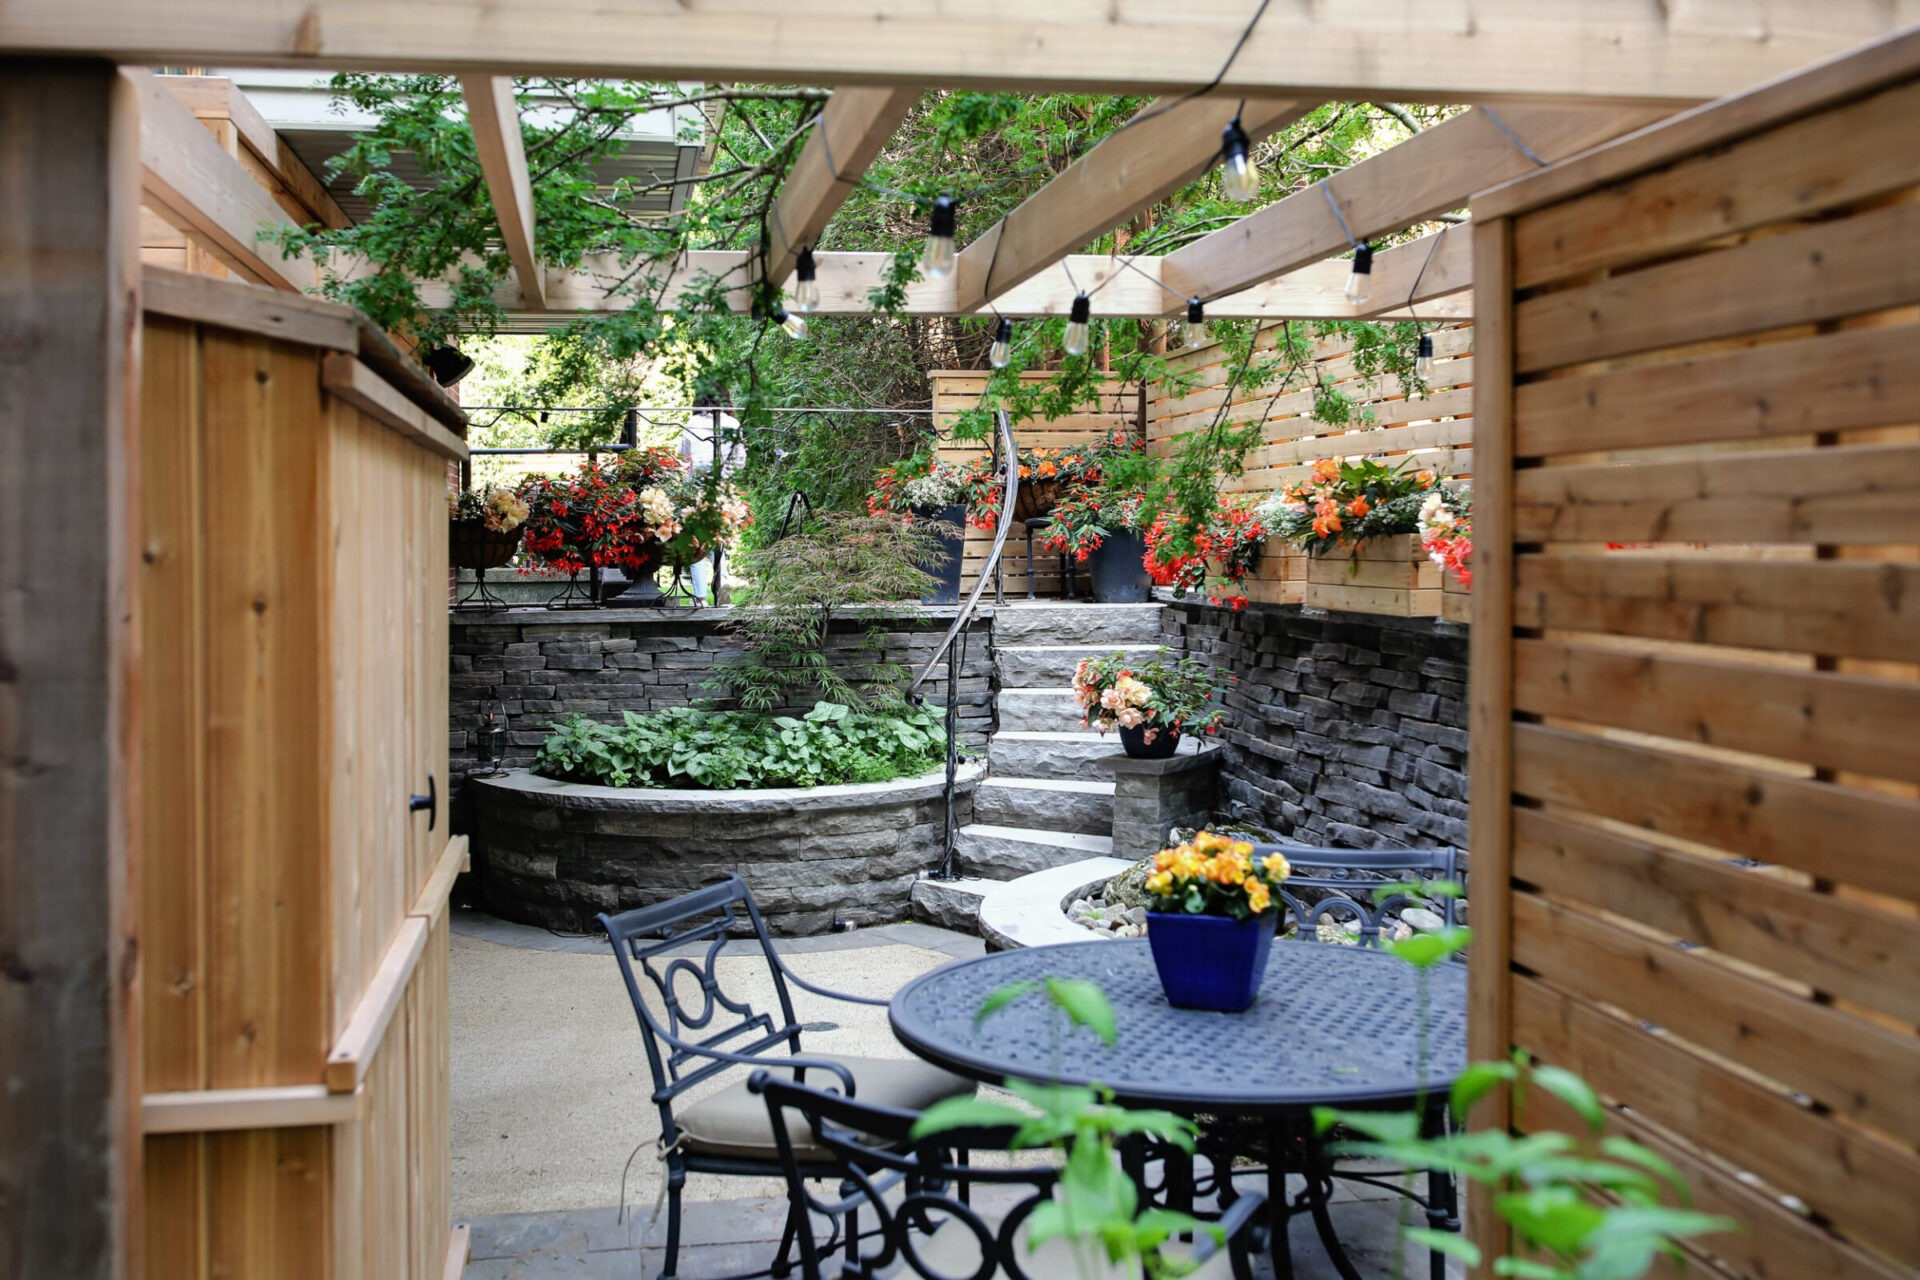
(1045, 802)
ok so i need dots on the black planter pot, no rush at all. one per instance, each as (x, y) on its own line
(945, 588)
(1119, 569)
(1134, 743)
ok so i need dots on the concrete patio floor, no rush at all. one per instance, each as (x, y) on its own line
(549, 1101)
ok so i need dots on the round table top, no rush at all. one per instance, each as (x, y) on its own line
(1333, 1026)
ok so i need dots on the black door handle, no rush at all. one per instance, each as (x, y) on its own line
(430, 802)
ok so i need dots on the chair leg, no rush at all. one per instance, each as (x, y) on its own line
(783, 1261)
(669, 1268)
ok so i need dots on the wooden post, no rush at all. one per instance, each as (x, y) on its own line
(69, 1129)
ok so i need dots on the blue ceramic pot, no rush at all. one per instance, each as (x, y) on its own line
(945, 587)
(1210, 962)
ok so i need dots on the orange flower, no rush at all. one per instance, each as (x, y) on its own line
(1359, 506)
(1326, 471)
(1424, 478)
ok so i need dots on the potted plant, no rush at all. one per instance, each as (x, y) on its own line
(1370, 510)
(926, 488)
(1045, 476)
(1211, 920)
(1221, 553)
(607, 515)
(1446, 534)
(1101, 522)
(484, 526)
(1151, 703)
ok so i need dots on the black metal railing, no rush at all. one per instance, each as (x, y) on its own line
(953, 647)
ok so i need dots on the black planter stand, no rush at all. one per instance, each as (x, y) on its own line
(1119, 571)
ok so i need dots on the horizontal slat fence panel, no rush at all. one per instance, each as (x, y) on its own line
(1705, 730)
(1117, 409)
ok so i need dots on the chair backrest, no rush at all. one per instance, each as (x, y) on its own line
(698, 1008)
(1363, 886)
(929, 1229)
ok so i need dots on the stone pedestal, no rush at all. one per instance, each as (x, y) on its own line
(1150, 797)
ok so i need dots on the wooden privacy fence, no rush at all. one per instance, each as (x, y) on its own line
(1696, 754)
(293, 697)
(957, 390)
(1435, 430)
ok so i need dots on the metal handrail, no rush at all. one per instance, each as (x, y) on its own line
(961, 621)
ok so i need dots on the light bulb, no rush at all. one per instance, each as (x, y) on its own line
(794, 324)
(937, 262)
(1002, 351)
(1196, 323)
(1423, 358)
(806, 292)
(1360, 279)
(1239, 178)
(1077, 325)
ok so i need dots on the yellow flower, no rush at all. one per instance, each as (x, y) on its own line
(1159, 883)
(1258, 897)
(1276, 866)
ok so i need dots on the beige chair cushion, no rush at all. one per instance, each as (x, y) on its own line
(953, 1250)
(734, 1122)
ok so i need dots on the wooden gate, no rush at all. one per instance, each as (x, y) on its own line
(292, 905)
(1696, 704)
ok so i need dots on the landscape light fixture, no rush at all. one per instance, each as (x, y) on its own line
(937, 262)
(447, 365)
(1002, 351)
(794, 323)
(1196, 323)
(1239, 178)
(806, 291)
(1077, 325)
(1423, 358)
(1360, 279)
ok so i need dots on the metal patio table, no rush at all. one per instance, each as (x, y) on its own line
(1334, 1026)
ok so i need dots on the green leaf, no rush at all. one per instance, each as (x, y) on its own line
(1424, 950)
(1573, 1091)
(1558, 1218)
(1086, 1005)
(1446, 1242)
(967, 1113)
(1479, 1079)
(1002, 997)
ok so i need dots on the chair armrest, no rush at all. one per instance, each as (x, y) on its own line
(839, 1070)
(817, 989)
(1242, 1218)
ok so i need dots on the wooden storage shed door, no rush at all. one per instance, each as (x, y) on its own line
(293, 699)
(1696, 655)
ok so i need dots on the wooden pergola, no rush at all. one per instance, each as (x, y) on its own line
(1581, 94)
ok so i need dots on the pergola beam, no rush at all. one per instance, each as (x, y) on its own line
(1614, 51)
(494, 113)
(1172, 144)
(1421, 273)
(853, 127)
(1427, 174)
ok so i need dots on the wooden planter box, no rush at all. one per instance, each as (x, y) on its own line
(1391, 576)
(1456, 605)
(1280, 576)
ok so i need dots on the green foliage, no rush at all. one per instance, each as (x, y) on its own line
(1097, 1205)
(684, 747)
(838, 569)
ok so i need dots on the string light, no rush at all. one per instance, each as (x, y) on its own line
(1196, 323)
(806, 291)
(1001, 353)
(1423, 358)
(1077, 325)
(1360, 279)
(1239, 178)
(794, 324)
(937, 262)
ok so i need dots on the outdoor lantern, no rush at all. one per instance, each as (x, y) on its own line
(493, 742)
(447, 365)
(1360, 279)
(794, 324)
(1196, 323)
(1077, 325)
(1423, 358)
(939, 258)
(1239, 179)
(806, 291)
(1001, 352)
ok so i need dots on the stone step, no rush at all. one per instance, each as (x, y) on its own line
(1052, 622)
(1004, 853)
(1054, 803)
(1032, 666)
(951, 904)
(1043, 754)
(1044, 709)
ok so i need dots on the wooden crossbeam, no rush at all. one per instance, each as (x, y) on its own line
(847, 279)
(495, 115)
(1613, 51)
(1171, 144)
(853, 126)
(1434, 269)
(1428, 174)
(189, 179)
(273, 163)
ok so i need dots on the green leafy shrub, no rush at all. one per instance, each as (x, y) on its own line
(685, 747)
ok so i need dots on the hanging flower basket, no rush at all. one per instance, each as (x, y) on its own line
(1037, 498)
(474, 546)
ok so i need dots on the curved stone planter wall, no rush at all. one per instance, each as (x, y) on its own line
(557, 854)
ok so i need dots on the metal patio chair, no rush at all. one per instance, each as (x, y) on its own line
(928, 1230)
(701, 1031)
(1344, 894)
